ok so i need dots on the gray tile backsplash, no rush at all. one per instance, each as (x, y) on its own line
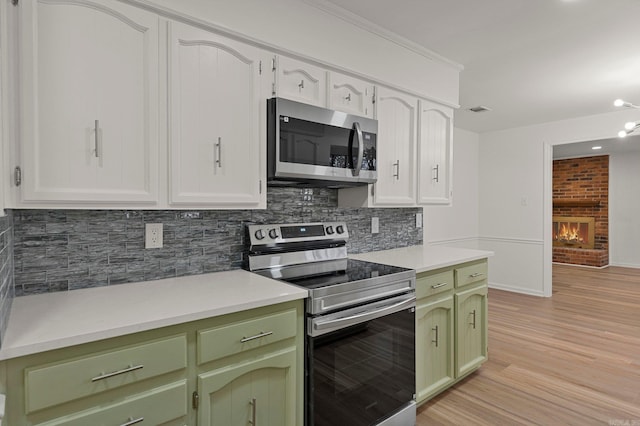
(6, 270)
(57, 250)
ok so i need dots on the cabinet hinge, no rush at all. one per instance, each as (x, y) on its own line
(260, 186)
(273, 89)
(260, 68)
(372, 190)
(373, 96)
(195, 400)
(14, 2)
(17, 176)
(273, 64)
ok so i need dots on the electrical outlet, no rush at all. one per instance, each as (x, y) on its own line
(418, 220)
(375, 225)
(153, 235)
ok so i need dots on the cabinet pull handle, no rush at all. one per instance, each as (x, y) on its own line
(96, 129)
(257, 336)
(132, 421)
(438, 285)
(219, 147)
(397, 166)
(253, 412)
(437, 170)
(301, 85)
(474, 318)
(129, 369)
(436, 339)
(348, 97)
(476, 275)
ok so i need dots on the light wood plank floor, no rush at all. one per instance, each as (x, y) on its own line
(572, 359)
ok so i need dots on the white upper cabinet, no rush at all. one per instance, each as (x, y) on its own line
(89, 73)
(396, 148)
(301, 82)
(217, 120)
(435, 153)
(351, 95)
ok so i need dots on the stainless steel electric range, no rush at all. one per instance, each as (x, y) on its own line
(360, 324)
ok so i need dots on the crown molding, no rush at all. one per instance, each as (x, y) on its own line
(376, 29)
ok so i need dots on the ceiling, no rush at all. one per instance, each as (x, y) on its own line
(530, 61)
(608, 146)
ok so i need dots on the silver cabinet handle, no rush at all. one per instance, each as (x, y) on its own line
(397, 166)
(257, 336)
(437, 170)
(436, 339)
(474, 319)
(117, 373)
(476, 275)
(358, 166)
(96, 128)
(132, 421)
(438, 285)
(253, 412)
(219, 147)
(301, 85)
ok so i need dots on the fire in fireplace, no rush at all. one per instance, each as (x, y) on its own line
(577, 232)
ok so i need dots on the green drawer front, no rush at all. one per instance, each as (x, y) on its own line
(242, 336)
(54, 384)
(471, 274)
(428, 285)
(157, 406)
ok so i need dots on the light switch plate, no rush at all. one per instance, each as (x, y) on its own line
(375, 225)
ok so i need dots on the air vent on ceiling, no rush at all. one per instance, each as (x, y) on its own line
(479, 108)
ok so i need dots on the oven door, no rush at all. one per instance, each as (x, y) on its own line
(361, 363)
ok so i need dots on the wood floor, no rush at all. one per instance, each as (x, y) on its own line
(572, 359)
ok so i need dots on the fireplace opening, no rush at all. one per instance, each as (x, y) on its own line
(576, 232)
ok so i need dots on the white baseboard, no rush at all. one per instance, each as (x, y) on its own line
(582, 266)
(506, 287)
(625, 265)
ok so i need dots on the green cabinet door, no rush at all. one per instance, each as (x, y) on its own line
(259, 391)
(471, 329)
(434, 347)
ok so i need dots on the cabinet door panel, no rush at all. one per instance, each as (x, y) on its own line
(90, 86)
(435, 157)
(471, 329)
(350, 95)
(215, 115)
(301, 82)
(434, 347)
(227, 394)
(396, 148)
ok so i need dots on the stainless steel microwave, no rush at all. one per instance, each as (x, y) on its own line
(318, 147)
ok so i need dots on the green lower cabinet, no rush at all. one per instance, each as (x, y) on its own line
(471, 329)
(434, 341)
(259, 391)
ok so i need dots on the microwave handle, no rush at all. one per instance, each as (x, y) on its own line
(358, 165)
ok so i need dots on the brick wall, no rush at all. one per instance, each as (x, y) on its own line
(584, 179)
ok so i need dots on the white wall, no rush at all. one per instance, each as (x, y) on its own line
(299, 27)
(458, 224)
(515, 168)
(624, 209)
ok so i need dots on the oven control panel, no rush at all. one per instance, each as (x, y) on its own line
(297, 232)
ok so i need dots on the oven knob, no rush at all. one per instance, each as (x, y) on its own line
(329, 229)
(339, 229)
(273, 234)
(260, 234)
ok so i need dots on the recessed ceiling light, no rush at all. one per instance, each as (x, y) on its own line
(596, 148)
(480, 108)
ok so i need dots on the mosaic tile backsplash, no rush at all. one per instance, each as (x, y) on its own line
(6, 270)
(59, 250)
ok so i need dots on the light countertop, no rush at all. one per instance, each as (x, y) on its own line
(44, 322)
(424, 258)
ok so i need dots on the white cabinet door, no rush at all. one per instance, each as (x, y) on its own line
(396, 148)
(351, 95)
(215, 115)
(301, 82)
(90, 102)
(435, 153)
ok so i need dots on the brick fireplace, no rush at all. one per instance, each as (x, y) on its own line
(581, 211)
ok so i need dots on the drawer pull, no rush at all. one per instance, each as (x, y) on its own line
(257, 336)
(476, 275)
(438, 285)
(436, 339)
(117, 373)
(133, 421)
(253, 412)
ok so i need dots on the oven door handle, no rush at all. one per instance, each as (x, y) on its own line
(320, 327)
